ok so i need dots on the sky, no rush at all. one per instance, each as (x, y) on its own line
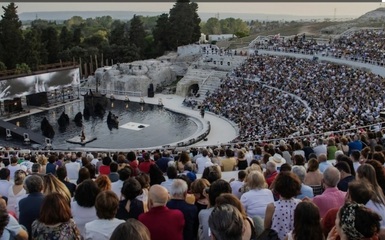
(298, 9)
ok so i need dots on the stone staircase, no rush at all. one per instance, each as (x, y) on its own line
(210, 84)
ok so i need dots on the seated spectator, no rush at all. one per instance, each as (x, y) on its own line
(306, 222)
(163, 162)
(104, 169)
(133, 163)
(226, 222)
(228, 163)
(113, 176)
(355, 156)
(83, 174)
(144, 181)
(380, 173)
(55, 220)
(362, 192)
(52, 184)
(313, 176)
(62, 176)
(16, 191)
(178, 193)
(103, 182)
(29, 207)
(250, 231)
(172, 173)
(367, 172)
(116, 187)
(344, 158)
(271, 172)
(72, 170)
(162, 222)
(306, 191)
(236, 185)
(331, 149)
(199, 188)
(14, 166)
(355, 221)
(279, 215)
(83, 206)
(144, 166)
(5, 184)
(346, 176)
(156, 175)
(258, 197)
(216, 189)
(51, 165)
(106, 205)
(331, 197)
(9, 227)
(323, 163)
(212, 173)
(131, 229)
(130, 206)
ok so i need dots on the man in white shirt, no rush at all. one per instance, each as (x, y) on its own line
(355, 156)
(236, 185)
(4, 182)
(72, 170)
(116, 187)
(172, 173)
(203, 162)
(13, 167)
(26, 165)
(321, 148)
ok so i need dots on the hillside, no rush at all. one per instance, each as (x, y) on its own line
(375, 18)
(375, 15)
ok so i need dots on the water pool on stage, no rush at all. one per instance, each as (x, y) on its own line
(159, 126)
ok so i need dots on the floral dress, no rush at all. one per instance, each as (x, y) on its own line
(61, 231)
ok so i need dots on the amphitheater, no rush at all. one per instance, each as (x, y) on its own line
(204, 70)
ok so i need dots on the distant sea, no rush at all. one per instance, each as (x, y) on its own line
(127, 15)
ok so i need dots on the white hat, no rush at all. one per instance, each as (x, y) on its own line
(278, 159)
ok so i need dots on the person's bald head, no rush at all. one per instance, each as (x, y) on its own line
(158, 195)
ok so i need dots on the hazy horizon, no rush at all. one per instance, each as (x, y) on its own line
(294, 9)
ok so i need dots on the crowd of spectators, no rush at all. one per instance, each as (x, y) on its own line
(364, 45)
(330, 186)
(272, 97)
(182, 195)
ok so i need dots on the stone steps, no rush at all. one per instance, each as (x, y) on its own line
(212, 83)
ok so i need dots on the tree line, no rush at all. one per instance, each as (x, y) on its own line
(46, 42)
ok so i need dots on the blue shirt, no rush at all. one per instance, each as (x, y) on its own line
(306, 191)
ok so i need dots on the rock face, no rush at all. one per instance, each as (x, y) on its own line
(195, 63)
(375, 15)
(135, 76)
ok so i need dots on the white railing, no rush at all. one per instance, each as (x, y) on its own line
(114, 92)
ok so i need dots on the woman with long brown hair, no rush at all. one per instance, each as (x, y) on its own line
(307, 222)
(55, 220)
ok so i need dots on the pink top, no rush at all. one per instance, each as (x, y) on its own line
(330, 198)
